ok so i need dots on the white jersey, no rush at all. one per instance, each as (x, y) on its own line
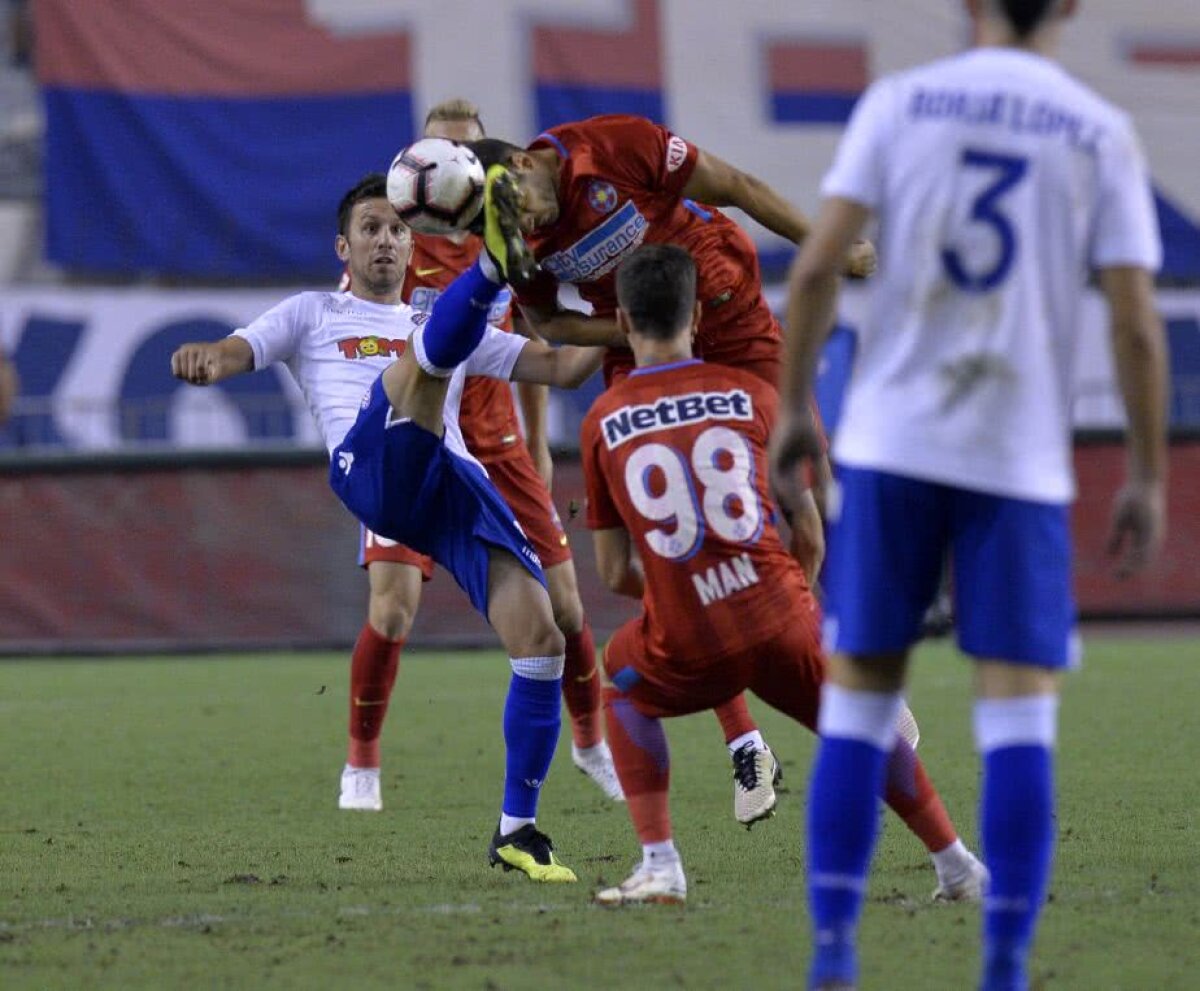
(998, 181)
(336, 345)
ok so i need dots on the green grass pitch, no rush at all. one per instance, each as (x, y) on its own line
(171, 823)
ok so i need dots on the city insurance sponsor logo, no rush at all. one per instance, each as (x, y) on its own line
(600, 250)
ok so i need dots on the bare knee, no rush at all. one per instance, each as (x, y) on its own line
(391, 615)
(543, 640)
(395, 595)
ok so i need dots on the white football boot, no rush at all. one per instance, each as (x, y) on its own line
(965, 882)
(597, 763)
(661, 885)
(360, 789)
(755, 774)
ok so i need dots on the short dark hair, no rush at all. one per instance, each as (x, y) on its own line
(1026, 16)
(372, 186)
(493, 151)
(656, 287)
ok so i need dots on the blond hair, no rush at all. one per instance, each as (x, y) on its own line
(454, 109)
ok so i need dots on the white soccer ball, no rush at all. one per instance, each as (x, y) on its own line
(436, 186)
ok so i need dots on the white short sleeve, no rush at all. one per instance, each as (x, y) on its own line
(1126, 228)
(276, 335)
(857, 171)
(496, 355)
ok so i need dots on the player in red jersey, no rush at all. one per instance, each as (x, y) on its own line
(520, 470)
(592, 192)
(678, 496)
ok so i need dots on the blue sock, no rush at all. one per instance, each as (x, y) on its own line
(843, 817)
(1018, 839)
(858, 731)
(532, 718)
(1016, 737)
(457, 322)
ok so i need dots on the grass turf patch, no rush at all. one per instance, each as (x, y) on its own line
(172, 823)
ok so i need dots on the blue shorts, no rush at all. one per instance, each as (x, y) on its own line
(1010, 559)
(402, 483)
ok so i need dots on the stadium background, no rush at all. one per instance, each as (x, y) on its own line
(168, 170)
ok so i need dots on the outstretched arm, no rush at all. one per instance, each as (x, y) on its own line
(209, 363)
(561, 326)
(619, 569)
(567, 367)
(720, 184)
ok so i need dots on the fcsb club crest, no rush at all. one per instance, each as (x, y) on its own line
(602, 197)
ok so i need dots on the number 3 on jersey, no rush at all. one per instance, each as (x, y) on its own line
(1009, 170)
(661, 487)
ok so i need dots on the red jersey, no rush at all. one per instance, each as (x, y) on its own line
(677, 455)
(487, 416)
(621, 184)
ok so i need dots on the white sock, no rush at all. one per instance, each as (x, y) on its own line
(754, 736)
(488, 268)
(953, 863)
(510, 824)
(659, 854)
(595, 748)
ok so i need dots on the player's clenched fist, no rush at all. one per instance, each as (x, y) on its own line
(198, 364)
(203, 363)
(860, 259)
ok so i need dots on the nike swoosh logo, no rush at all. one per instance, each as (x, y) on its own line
(362, 702)
(422, 272)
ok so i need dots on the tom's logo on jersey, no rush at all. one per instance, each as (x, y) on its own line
(675, 411)
(371, 347)
(602, 197)
(676, 153)
(600, 250)
(423, 298)
(345, 461)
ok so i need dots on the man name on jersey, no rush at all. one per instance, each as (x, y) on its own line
(633, 421)
(1040, 118)
(723, 579)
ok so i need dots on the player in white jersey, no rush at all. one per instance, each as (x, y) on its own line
(383, 384)
(998, 181)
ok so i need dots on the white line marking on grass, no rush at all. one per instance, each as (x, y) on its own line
(199, 921)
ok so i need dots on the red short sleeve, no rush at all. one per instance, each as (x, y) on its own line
(602, 513)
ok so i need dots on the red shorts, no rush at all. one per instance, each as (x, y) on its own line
(518, 481)
(785, 671)
(373, 548)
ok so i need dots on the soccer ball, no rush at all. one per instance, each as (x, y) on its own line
(436, 186)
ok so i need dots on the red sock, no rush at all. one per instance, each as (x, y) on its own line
(735, 717)
(581, 688)
(912, 796)
(639, 749)
(373, 667)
